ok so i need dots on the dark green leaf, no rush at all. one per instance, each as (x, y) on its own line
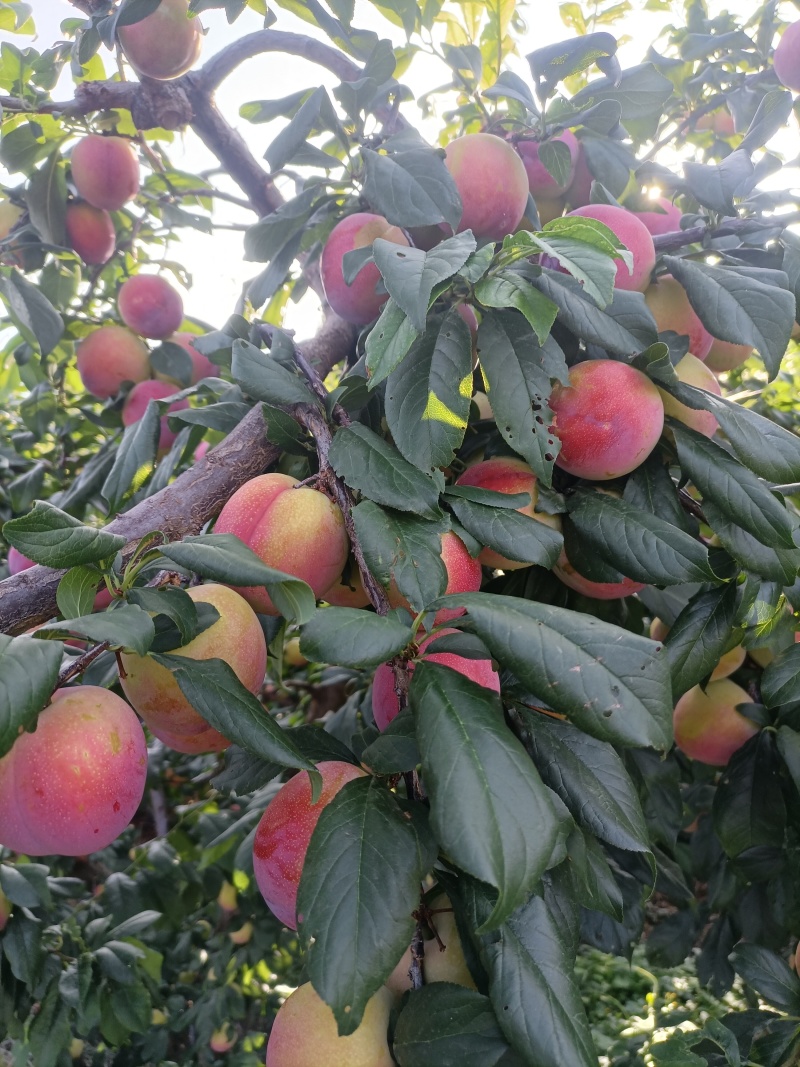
(353, 638)
(53, 538)
(715, 187)
(364, 845)
(412, 188)
(774, 564)
(76, 592)
(263, 378)
(611, 683)
(375, 468)
(213, 690)
(28, 676)
(126, 627)
(780, 682)
(749, 809)
(410, 274)
(701, 634)
(510, 288)
(395, 750)
(640, 91)
(174, 603)
(283, 148)
(404, 548)
(489, 809)
(46, 197)
(769, 975)
(585, 319)
(515, 536)
(772, 115)
(135, 458)
(388, 342)
(446, 1025)
(428, 395)
(31, 312)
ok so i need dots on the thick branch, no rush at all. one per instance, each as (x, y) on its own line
(226, 61)
(185, 506)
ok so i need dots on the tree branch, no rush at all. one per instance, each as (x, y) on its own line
(228, 59)
(667, 242)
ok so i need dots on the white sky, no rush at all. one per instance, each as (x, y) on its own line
(215, 262)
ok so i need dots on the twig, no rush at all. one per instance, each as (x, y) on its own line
(417, 956)
(666, 242)
(79, 665)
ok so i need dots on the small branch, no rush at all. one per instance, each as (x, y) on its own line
(417, 956)
(666, 242)
(690, 505)
(79, 665)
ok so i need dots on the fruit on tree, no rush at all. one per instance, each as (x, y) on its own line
(305, 1034)
(608, 419)
(17, 562)
(223, 1039)
(294, 529)
(164, 44)
(202, 367)
(358, 302)
(439, 964)
(243, 935)
(541, 182)
(693, 372)
(727, 355)
(720, 121)
(105, 171)
(633, 233)
(728, 663)
(136, 405)
(549, 208)
(150, 306)
(285, 830)
(227, 896)
(236, 637)
(786, 61)
(667, 220)
(73, 786)
(564, 570)
(492, 183)
(507, 474)
(110, 356)
(464, 575)
(90, 232)
(385, 703)
(350, 593)
(708, 728)
(670, 307)
(292, 656)
(764, 656)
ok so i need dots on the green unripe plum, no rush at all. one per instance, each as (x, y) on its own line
(667, 220)
(787, 58)
(566, 573)
(110, 356)
(633, 233)
(541, 182)
(608, 419)
(385, 703)
(505, 474)
(90, 232)
(136, 405)
(707, 726)
(727, 355)
(297, 530)
(164, 44)
(693, 372)
(236, 637)
(73, 786)
(464, 575)
(149, 306)
(358, 302)
(105, 171)
(670, 307)
(305, 1034)
(223, 1039)
(284, 832)
(492, 182)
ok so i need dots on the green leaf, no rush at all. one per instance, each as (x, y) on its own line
(736, 491)
(738, 307)
(640, 91)
(518, 374)
(53, 538)
(640, 545)
(716, 187)
(175, 604)
(769, 975)
(775, 564)
(46, 197)
(262, 377)
(353, 638)
(365, 846)
(428, 395)
(586, 320)
(511, 288)
(76, 591)
(172, 361)
(410, 274)
(515, 536)
(388, 342)
(135, 458)
(402, 548)
(213, 690)
(224, 558)
(611, 683)
(772, 115)
(412, 188)
(589, 264)
(446, 1025)
(375, 468)
(489, 809)
(284, 147)
(780, 682)
(126, 627)
(555, 62)
(702, 633)
(577, 766)
(748, 809)
(31, 312)
(264, 240)
(395, 750)
(28, 676)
